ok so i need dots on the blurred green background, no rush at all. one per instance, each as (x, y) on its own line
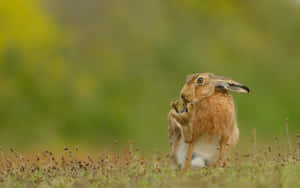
(87, 73)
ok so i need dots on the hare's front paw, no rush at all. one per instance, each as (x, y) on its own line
(175, 105)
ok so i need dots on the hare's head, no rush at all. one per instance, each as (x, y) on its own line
(202, 85)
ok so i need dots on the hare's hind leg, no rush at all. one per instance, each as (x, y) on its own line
(233, 139)
(226, 145)
(222, 151)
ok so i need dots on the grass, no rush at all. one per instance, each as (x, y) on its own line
(270, 166)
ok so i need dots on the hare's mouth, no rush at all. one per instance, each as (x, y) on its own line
(185, 100)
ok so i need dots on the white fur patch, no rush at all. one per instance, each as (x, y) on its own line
(198, 162)
(181, 152)
(206, 151)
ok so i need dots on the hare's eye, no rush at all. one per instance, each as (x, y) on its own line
(200, 80)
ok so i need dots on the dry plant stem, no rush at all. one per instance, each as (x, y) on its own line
(2, 158)
(298, 147)
(287, 133)
(254, 145)
(277, 143)
(113, 169)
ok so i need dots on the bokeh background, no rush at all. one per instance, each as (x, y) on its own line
(88, 73)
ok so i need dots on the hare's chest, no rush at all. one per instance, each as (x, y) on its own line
(213, 119)
(205, 152)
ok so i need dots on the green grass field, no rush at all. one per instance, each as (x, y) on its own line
(276, 165)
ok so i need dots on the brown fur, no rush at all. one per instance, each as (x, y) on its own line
(174, 136)
(212, 113)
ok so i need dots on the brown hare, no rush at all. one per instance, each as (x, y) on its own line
(205, 130)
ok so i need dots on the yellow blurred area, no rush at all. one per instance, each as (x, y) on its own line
(24, 24)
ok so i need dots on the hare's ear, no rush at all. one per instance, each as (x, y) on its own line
(191, 77)
(230, 85)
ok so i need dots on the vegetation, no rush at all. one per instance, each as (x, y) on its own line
(276, 165)
(96, 71)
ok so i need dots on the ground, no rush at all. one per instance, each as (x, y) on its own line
(270, 166)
